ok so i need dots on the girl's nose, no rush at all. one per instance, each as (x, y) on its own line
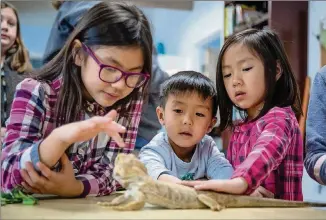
(236, 83)
(236, 80)
(121, 84)
(4, 26)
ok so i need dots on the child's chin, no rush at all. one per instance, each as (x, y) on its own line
(106, 103)
(190, 145)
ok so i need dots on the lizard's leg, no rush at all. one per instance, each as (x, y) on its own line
(134, 200)
(211, 203)
(116, 201)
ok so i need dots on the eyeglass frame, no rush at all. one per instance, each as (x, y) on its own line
(124, 74)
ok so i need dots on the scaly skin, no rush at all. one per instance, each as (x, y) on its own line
(141, 189)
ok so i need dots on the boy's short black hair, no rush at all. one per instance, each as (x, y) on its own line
(189, 81)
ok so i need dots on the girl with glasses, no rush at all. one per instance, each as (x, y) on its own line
(67, 125)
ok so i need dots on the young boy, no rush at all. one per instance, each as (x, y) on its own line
(184, 152)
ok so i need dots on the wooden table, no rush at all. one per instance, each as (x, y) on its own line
(88, 209)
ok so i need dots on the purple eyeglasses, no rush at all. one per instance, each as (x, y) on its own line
(111, 74)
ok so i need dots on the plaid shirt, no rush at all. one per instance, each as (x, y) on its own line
(32, 119)
(269, 153)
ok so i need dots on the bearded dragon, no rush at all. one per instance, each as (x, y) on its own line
(141, 189)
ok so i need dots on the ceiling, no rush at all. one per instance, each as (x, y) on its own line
(171, 4)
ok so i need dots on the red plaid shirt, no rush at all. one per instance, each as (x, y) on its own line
(269, 153)
(32, 119)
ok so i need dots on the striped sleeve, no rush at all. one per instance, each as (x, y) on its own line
(23, 134)
(267, 153)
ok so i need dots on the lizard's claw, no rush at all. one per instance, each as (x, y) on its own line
(211, 203)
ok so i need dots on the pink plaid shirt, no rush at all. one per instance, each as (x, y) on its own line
(32, 119)
(269, 153)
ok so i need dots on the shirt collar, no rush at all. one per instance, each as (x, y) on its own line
(93, 108)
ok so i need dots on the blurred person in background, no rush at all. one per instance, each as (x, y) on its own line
(15, 63)
(69, 13)
(149, 124)
(315, 161)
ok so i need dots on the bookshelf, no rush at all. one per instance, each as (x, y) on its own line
(287, 18)
(241, 15)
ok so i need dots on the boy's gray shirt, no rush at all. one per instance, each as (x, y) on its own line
(207, 161)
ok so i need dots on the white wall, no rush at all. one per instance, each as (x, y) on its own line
(167, 26)
(205, 22)
(37, 19)
(183, 32)
(317, 10)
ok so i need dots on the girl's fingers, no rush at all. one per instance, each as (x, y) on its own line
(29, 189)
(93, 124)
(37, 180)
(114, 126)
(208, 185)
(192, 183)
(44, 170)
(106, 124)
(256, 193)
(112, 114)
(91, 127)
(26, 177)
(265, 193)
(205, 186)
(117, 138)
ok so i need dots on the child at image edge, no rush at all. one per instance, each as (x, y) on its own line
(62, 136)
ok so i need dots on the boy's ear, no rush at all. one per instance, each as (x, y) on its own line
(278, 70)
(160, 115)
(77, 53)
(211, 125)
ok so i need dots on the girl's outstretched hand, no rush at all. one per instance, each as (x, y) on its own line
(85, 130)
(262, 192)
(234, 186)
(214, 185)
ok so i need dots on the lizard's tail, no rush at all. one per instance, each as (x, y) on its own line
(248, 201)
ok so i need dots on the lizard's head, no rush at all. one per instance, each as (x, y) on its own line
(127, 169)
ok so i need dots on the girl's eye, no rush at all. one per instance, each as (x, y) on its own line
(247, 69)
(227, 75)
(177, 111)
(200, 114)
(11, 23)
(110, 69)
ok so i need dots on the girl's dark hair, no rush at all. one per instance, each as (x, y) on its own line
(282, 92)
(19, 59)
(189, 81)
(106, 23)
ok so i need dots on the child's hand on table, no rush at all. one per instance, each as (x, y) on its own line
(61, 183)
